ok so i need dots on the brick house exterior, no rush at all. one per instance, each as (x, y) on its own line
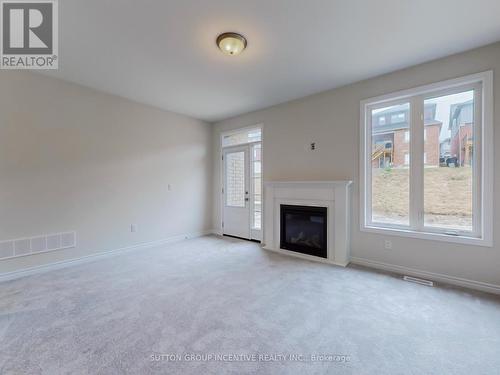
(390, 137)
(461, 131)
(431, 146)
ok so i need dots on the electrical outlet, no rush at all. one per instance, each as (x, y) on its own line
(133, 228)
(388, 244)
(169, 187)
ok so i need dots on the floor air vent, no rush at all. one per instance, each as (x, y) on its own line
(418, 281)
(38, 244)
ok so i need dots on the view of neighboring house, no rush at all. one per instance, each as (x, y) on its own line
(445, 147)
(391, 137)
(461, 139)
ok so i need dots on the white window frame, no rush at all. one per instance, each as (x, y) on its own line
(482, 234)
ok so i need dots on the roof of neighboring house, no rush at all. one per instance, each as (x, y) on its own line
(456, 110)
(402, 125)
(393, 109)
(430, 114)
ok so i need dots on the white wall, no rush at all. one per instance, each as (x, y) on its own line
(331, 119)
(72, 158)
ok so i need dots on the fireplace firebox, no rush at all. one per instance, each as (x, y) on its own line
(304, 229)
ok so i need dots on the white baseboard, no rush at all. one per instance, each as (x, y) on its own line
(477, 285)
(99, 255)
(217, 232)
(305, 256)
(445, 279)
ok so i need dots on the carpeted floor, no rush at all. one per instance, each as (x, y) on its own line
(172, 309)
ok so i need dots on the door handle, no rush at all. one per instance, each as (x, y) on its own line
(246, 199)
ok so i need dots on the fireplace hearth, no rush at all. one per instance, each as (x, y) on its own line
(304, 229)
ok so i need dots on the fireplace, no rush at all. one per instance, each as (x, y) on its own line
(304, 229)
(332, 197)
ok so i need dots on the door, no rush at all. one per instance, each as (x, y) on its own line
(236, 191)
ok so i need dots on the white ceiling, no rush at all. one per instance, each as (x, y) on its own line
(163, 52)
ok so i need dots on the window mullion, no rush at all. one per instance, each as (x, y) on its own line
(417, 163)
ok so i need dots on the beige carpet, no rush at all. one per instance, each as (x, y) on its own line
(223, 306)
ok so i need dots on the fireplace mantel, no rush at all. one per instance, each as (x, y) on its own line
(334, 195)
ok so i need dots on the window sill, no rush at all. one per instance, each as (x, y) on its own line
(461, 239)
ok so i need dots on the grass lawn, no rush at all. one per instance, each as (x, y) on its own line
(447, 196)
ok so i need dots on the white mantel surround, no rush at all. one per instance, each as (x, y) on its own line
(334, 195)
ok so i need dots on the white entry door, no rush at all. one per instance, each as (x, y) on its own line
(236, 191)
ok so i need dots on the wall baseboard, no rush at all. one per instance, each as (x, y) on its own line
(93, 257)
(471, 284)
(445, 279)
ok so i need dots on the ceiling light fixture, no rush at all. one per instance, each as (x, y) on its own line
(231, 43)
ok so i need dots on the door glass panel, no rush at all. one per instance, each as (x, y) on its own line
(390, 159)
(257, 185)
(235, 179)
(448, 164)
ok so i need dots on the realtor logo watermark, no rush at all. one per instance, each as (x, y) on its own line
(29, 37)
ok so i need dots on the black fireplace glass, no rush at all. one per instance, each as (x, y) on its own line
(304, 229)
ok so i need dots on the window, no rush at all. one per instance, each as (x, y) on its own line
(397, 118)
(425, 192)
(235, 175)
(257, 185)
(381, 120)
(448, 190)
(383, 211)
(242, 137)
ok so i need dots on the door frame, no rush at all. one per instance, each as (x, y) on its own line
(253, 233)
